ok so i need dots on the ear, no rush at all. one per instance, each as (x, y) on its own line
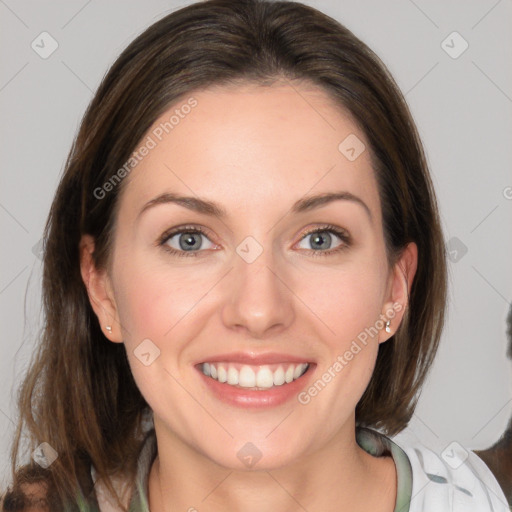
(99, 290)
(399, 288)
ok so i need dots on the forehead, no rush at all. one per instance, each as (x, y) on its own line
(251, 146)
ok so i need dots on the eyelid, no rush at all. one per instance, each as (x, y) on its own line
(341, 233)
(166, 235)
(188, 228)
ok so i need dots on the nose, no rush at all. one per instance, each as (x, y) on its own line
(259, 301)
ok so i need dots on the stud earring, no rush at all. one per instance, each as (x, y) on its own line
(388, 324)
(109, 328)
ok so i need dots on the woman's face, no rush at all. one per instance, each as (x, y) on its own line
(254, 297)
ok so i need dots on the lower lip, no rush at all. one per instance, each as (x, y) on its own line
(250, 398)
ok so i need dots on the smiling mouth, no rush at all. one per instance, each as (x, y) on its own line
(254, 377)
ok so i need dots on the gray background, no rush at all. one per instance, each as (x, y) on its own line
(462, 107)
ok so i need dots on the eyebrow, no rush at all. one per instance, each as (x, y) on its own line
(215, 210)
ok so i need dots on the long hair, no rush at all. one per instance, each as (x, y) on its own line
(79, 395)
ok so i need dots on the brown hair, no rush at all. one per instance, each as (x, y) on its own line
(33, 489)
(79, 394)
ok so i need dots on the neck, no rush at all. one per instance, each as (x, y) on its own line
(181, 478)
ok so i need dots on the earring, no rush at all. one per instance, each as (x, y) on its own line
(388, 324)
(109, 328)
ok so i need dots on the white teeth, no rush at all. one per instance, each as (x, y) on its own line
(222, 374)
(247, 377)
(254, 377)
(299, 370)
(265, 378)
(279, 377)
(232, 376)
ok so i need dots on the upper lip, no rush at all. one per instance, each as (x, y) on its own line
(251, 358)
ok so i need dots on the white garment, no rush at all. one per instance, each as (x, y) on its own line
(456, 480)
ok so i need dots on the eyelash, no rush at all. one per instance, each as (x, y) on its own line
(341, 234)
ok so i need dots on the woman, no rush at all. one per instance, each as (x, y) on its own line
(244, 279)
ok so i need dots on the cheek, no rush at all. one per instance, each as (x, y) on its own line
(347, 300)
(349, 306)
(153, 297)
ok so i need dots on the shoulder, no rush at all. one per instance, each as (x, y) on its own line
(454, 480)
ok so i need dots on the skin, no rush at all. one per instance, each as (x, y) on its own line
(34, 495)
(255, 151)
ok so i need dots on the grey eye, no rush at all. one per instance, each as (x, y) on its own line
(187, 241)
(321, 239)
